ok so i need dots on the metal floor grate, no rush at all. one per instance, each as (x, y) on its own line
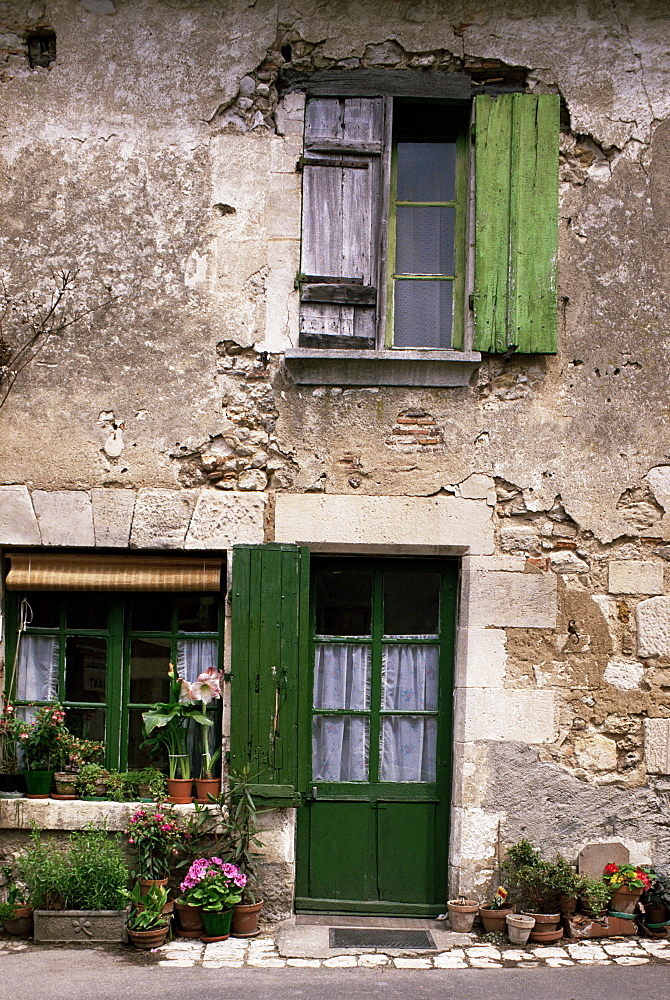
(376, 937)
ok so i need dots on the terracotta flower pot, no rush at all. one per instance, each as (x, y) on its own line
(180, 790)
(149, 939)
(66, 784)
(146, 883)
(624, 900)
(190, 919)
(21, 924)
(494, 920)
(245, 919)
(519, 926)
(544, 923)
(462, 915)
(205, 787)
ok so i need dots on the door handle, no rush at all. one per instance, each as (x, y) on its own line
(315, 792)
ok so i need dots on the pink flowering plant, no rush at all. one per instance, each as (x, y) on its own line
(44, 741)
(157, 835)
(214, 884)
(206, 688)
(166, 724)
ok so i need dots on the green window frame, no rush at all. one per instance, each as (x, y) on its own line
(120, 711)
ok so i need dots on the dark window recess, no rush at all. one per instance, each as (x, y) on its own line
(41, 49)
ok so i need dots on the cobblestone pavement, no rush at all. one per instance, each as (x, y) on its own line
(262, 953)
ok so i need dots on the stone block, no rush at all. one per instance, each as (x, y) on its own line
(653, 627)
(221, 520)
(518, 538)
(596, 752)
(474, 835)
(481, 657)
(476, 487)
(567, 562)
(624, 674)
(632, 576)
(516, 600)
(385, 521)
(527, 716)
(162, 518)
(593, 858)
(282, 216)
(65, 517)
(657, 745)
(659, 483)
(112, 516)
(18, 524)
(81, 926)
(290, 115)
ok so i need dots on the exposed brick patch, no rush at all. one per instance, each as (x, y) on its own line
(415, 430)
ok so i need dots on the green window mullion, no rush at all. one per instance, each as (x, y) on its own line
(115, 739)
(376, 678)
(458, 321)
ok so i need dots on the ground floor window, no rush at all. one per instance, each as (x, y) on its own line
(105, 656)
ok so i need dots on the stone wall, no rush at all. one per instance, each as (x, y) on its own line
(157, 156)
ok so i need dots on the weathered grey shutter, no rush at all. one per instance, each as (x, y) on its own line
(340, 221)
(516, 220)
(270, 601)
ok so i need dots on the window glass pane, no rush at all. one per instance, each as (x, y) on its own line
(197, 613)
(37, 669)
(426, 171)
(139, 757)
(340, 748)
(409, 677)
(424, 239)
(422, 313)
(149, 661)
(407, 748)
(411, 603)
(343, 602)
(342, 676)
(41, 610)
(85, 668)
(86, 722)
(87, 611)
(150, 613)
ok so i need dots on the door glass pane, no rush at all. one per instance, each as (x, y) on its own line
(87, 611)
(37, 669)
(150, 613)
(407, 748)
(424, 239)
(426, 171)
(422, 313)
(149, 661)
(85, 668)
(409, 677)
(340, 748)
(197, 613)
(342, 676)
(86, 722)
(343, 602)
(411, 604)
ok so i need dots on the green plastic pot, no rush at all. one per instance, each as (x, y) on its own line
(217, 923)
(38, 782)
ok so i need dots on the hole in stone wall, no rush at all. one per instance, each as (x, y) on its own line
(41, 48)
(286, 53)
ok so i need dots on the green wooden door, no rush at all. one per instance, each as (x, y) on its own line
(373, 833)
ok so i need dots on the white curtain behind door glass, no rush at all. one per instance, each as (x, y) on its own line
(194, 656)
(37, 668)
(409, 682)
(340, 746)
(342, 676)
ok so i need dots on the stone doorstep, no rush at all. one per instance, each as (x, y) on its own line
(303, 940)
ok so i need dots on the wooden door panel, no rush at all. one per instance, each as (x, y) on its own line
(406, 862)
(341, 842)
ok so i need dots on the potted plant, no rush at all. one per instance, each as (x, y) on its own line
(216, 886)
(92, 782)
(519, 927)
(168, 721)
(73, 753)
(494, 914)
(207, 688)
(627, 883)
(656, 902)
(40, 746)
(148, 923)
(462, 913)
(16, 914)
(12, 783)
(151, 785)
(594, 896)
(78, 894)
(242, 829)
(156, 834)
(543, 886)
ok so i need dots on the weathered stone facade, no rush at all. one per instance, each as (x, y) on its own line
(157, 156)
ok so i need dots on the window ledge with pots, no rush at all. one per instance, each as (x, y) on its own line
(51, 814)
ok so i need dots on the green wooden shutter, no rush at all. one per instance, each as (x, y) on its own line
(516, 220)
(270, 606)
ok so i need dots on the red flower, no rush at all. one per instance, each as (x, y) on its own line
(611, 869)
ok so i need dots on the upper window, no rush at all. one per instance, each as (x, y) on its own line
(415, 237)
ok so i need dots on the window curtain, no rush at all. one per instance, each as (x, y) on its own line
(340, 744)
(194, 656)
(408, 743)
(37, 669)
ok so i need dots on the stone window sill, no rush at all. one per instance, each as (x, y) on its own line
(52, 814)
(309, 366)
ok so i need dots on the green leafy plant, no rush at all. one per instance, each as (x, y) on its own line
(242, 828)
(157, 835)
(90, 778)
(16, 896)
(154, 780)
(147, 909)
(543, 886)
(169, 721)
(44, 741)
(659, 893)
(87, 873)
(214, 884)
(594, 893)
(11, 729)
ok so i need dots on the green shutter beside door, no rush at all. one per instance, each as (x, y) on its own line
(516, 218)
(267, 635)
